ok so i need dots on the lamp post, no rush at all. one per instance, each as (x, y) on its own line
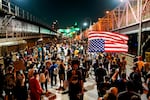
(81, 28)
(85, 24)
(107, 20)
(140, 27)
(88, 23)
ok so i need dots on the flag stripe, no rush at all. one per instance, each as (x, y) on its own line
(107, 36)
(115, 49)
(113, 42)
(107, 39)
(113, 35)
(116, 45)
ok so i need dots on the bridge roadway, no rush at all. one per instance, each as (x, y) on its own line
(89, 85)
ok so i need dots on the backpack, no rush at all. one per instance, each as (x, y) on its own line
(62, 49)
(55, 71)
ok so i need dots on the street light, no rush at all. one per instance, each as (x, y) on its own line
(85, 24)
(107, 12)
(108, 20)
(122, 0)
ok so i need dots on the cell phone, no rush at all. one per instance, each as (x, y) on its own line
(117, 69)
(21, 71)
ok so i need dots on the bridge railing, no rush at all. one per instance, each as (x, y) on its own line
(13, 9)
(126, 14)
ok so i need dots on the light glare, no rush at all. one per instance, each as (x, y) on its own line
(85, 24)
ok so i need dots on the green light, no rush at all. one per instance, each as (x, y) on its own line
(76, 24)
(77, 29)
(71, 31)
(61, 30)
(68, 30)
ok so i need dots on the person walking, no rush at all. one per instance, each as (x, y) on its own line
(44, 78)
(35, 88)
(100, 73)
(1, 82)
(61, 74)
(75, 81)
(53, 73)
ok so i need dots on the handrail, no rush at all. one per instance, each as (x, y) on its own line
(13, 9)
(132, 56)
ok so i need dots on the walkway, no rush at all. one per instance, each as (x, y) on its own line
(90, 94)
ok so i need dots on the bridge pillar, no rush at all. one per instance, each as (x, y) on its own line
(16, 11)
(0, 4)
(9, 7)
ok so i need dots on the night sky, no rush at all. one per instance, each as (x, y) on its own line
(67, 12)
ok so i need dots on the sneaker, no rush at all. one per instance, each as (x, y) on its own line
(85, 90)
(65, 92)
(58, 88)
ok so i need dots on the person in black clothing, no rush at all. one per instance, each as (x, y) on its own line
(129, 93)
(68, 52)
(135, 71)
(104, 86)
(135, 76)
(95, 65)
(84, 67)
(41, 67)
(148, 84)
(20, 88)
(100, 73)
(113, 68)
(1, 81)
(135, 59)
(7, 60)
(43, 54)
(137, 83)
(121, 83)
(106, 62)
(61, 73)
(75, 82)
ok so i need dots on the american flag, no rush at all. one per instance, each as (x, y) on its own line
(101, 41)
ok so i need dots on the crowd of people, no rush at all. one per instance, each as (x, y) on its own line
(67, 64)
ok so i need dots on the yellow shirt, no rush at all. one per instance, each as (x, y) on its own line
(76, 52)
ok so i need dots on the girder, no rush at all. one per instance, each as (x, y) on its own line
(125, 15)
